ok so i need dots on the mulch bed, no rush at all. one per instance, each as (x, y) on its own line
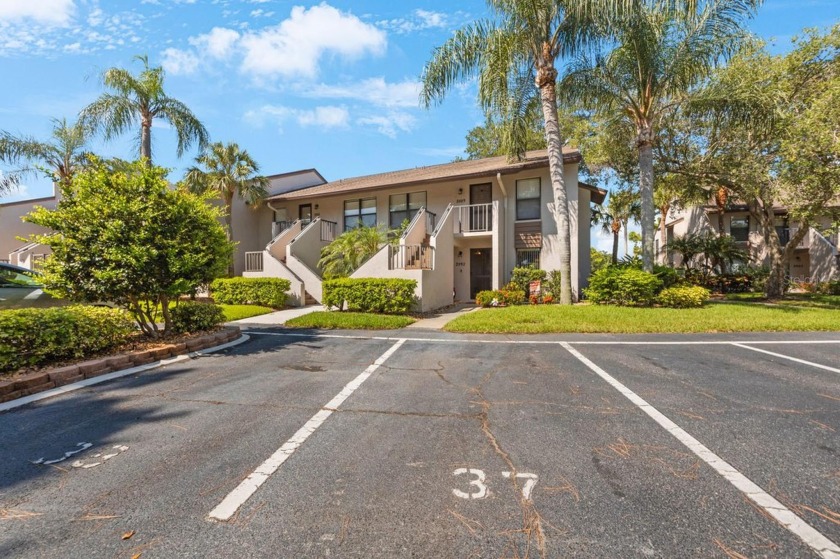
(139, 351)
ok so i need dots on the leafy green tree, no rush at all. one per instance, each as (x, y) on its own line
(227, 171)
(138, 100)
(770, 124)
(487, 140)
(514, 57)
(663, 49)
(598, 259)
(123, 236)
(688, 247)
(59, 158)
(350, 250)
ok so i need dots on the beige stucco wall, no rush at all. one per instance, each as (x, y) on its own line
(12, 227)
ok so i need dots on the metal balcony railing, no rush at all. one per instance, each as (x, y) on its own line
(411, 257)
(474, 218)
(254, 261)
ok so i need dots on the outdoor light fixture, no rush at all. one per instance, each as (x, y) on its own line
(316, 206)
(460, 190)
(460, 253)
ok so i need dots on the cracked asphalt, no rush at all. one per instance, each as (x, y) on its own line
(456, 446)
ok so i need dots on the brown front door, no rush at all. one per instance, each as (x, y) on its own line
(305, 213)
(481, 270)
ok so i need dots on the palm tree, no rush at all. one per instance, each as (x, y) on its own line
(510, 55)
(622, 206)
(663, 50)
(227, 171)
(60, 157)
(350, 250)
(139, 99)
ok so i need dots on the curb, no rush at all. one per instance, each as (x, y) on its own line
(54, 382)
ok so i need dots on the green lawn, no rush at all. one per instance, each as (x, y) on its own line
(350, 321)
(237, 312)
(815, 300)
(714, 317)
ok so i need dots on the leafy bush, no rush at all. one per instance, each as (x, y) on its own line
(667, 274)
(552, 285)
(624, 286)
(726, 283)
(683, 297)
(370, 294)
(828, 287)
(501, 296)
(523, 276)
(30, 337)
(190, 316)
(267, 292)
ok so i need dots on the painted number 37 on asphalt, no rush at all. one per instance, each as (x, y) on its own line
(478, 489)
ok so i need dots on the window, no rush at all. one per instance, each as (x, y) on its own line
(528, 257)
(739, 228)
(404, 206)
(528, 199)
(358, 213)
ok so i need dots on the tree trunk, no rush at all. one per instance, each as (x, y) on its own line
(167, 316)
(663, 231)
(547, 84)
(645, 146)
(146, 139)
(616, 227)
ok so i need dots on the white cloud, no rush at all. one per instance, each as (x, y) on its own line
(323, 116)
(219, 43)
(418, 21)
(181, 62)
(373, 90)
(48, 12)
(295, 46)
(390, 123)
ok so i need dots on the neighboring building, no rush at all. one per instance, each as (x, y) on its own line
(471, 223)
(12, 229)
(816, 257)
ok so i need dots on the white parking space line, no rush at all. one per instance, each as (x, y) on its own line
(538, 342)
(236, 498)
(788, 357)
(823, 546)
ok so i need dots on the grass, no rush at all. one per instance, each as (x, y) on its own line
(238, 312)
(815, 300)
(714, 317)
(350, 321)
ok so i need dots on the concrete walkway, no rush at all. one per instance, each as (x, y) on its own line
(438, 321)
(277, 318)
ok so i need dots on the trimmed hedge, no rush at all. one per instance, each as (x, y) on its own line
(623, 286)
(267, 292)
(32, 337)
(370, 294)
(683, 297)
(501, 296)
(523, 276)
(191, 316)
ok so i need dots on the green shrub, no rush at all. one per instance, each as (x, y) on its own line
(190, 316)
(31, 337)
(667, 274)
(683, 297)
(501, 296)
(624, 286)
(523, 277)
(370, 294)
(267, 292)
(828, 287)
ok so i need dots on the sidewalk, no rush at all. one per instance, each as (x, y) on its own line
(277, 318)
(438, 321)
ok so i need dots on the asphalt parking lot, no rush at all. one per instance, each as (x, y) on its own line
(410, 445)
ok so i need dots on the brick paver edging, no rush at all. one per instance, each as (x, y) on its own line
(34, 383)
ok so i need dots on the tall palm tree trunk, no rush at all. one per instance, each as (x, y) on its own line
(146, 139)
(547, 84)
(663, 245)
(616, 227)
(645, 146)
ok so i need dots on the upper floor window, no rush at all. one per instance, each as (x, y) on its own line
(358, 213)
(404, 206)
(528, 199)
(739, 228)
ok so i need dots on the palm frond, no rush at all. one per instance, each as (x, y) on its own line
(187, 126)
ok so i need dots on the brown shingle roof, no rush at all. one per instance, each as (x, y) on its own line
(473, 168)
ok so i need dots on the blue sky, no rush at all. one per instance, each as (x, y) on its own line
(330, 85)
